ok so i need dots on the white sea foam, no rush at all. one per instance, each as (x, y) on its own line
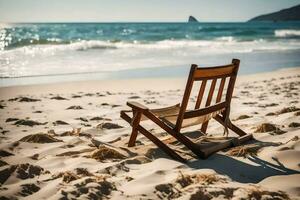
(94, 55)
(226, 39)
(216, 46)
(287, 33)
(5, 25)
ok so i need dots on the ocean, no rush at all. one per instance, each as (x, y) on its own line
(55, 52)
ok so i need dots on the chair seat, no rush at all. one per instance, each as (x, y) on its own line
(169, 116)
(171, 119)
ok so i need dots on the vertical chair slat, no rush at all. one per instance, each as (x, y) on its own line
(200, 95)
(211, 92)
(208, 102)
(232, 81)
(186, 96)
(221, 88)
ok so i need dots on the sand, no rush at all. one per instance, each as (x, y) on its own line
(66, 140)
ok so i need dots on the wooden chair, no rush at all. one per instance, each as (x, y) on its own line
(173, 119)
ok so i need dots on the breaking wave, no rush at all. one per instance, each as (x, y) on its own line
(287, 33)
(218, 45)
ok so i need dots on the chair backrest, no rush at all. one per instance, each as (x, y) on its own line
(205, 75)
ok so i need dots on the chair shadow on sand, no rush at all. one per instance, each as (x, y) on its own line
(241, 171)
(238, 170)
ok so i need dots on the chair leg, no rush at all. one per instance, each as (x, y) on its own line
(230, 125)
(245, 138)
(134, 123)
(154, 139)
(204, 127)
(236, 129)
(180, 137)
(161, 145)
(243, 135)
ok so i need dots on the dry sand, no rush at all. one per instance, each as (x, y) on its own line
(67, 141)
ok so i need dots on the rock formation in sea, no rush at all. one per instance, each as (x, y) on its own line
(192, 19)
(289, 14)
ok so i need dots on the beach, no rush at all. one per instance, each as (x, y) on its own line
(67, 140)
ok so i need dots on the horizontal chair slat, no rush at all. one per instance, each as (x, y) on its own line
(214, 72)
(204, 111)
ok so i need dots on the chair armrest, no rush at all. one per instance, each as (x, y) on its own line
(136, 105)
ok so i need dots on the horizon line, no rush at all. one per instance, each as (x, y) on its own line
(29, 22)
(107, 22)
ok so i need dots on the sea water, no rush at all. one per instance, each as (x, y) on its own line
(54, 52)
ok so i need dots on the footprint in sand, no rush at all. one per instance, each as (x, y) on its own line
(27, 99)
(287, 110)
(82, 119)
(85, 125)
(267, 127)
(108, 125)
(89, 94)
(100, 118)
(134, 97)
(76, 96)
(87, 187)
(3, 163)
(4, 153)
(242, 117)
(23, 171)
(37, 111)
(59, 98)
(104, 153)
(59, 122)
(11, 119)
(294, 125)
(74, 108)
(24, 99)
(29, 189)
(39, 138)
(26, 122)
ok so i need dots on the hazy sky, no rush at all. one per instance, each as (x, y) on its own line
(136, 10)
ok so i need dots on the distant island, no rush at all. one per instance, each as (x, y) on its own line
(289, 14)
(192, 19)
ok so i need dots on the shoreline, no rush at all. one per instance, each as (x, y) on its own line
(249, 67)
(127, 84)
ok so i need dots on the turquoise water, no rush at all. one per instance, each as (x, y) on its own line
(38, 53)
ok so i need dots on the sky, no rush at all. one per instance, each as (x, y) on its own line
(137, 10)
